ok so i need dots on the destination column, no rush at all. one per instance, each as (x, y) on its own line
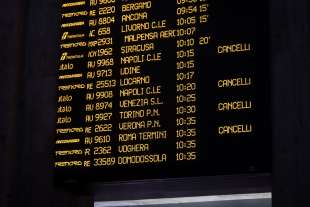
(142, 138)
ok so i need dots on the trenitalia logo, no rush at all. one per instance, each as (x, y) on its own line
(66, 36)
(65, 56)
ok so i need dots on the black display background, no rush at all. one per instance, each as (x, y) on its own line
(230, 23)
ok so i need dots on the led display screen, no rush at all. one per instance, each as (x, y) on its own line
(161, 89)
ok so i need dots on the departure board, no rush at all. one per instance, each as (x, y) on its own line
(162, 89)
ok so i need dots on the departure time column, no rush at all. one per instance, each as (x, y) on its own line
(186, 82)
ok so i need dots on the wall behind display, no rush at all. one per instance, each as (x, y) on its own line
(10, 27)
(28, 62)
(290, 35)
(28, 59)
